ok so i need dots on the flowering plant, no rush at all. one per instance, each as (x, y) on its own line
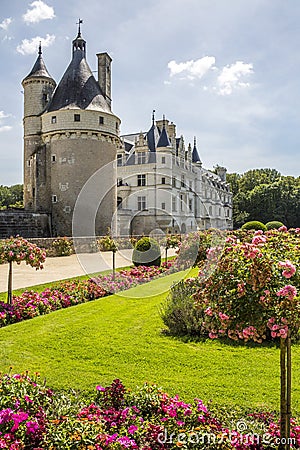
(252, 294)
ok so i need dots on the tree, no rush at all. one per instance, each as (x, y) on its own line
(11, 196)
(18, 250)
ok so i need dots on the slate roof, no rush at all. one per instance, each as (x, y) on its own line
(195, 154)
(39, 69)
(164, 140)
(78, 88)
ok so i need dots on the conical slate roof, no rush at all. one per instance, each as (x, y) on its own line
(163, 140)
(195, 154)
(39, 69)
(78, 87)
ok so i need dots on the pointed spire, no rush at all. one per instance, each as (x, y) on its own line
(39, 69)
(195, 154)
(164, 140)
(79, 43)
(153, 117)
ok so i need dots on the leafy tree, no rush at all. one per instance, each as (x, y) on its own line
(11, 196)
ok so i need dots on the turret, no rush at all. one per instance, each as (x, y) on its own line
(38, 88)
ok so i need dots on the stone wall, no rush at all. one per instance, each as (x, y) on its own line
(25, 224)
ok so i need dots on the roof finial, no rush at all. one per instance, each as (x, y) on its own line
(79, 31)
(164, 121)
(40, 48)
(153, 116)
(194, 141)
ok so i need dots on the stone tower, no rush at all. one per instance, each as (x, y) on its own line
(38, 88)
(79, 135)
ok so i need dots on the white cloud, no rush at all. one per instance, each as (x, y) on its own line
(40, 11)
(4, 127)
(231, 77)
(30, 46)
(5, 23)
(192, 69)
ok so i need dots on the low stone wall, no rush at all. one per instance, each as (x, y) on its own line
(23, 223)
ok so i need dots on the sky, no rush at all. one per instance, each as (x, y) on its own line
(225, 71)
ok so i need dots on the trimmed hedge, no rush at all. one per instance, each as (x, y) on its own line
(146, 253)
(254, 225)
(274, 225)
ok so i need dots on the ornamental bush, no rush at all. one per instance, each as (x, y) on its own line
(146, 253)
(274, 225)
(61, 247)
(254, 225)
(250, 292)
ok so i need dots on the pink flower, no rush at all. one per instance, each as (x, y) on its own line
(208, 311)
(32, 427)
(223, 316)
(290, 269)
(288, 291)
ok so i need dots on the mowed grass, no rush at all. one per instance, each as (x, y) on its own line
(121, 337)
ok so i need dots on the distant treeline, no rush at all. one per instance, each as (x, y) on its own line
(265, 195)
(11, 196)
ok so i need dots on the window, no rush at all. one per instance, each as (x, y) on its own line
(117, 126)
(163, 205)
(53, 158)
(53, 119)
(163, 180)
(182, 181)
(191, 185)
(28, 163)
(181, 202)
(101, 120)
(174, 182)
(163, 160)
(119, 159)
(76, 117)
(141, 203)
(190, 204)
(174, 206)
(54, 198)
(141, 180)
(210, 211)
(141, 157)
(119, 202)
(119, 182)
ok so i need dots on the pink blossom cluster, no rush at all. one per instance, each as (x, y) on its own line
(289, 268)
(278, 330)
(288, 291)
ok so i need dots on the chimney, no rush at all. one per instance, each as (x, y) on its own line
(104, 75)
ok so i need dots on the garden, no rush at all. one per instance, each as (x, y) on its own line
(209, 336)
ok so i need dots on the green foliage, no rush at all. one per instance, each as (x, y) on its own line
(61, 247)
(179, 312)
(265, 195)
(107, 244)
(274, 225)
(11, 196)
(254, 225)
(146, 253)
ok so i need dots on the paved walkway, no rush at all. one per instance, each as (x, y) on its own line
(62, 268)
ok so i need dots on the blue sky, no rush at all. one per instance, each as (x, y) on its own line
(225, 71)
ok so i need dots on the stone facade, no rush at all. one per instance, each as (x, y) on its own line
(70, 133)
(162, 185)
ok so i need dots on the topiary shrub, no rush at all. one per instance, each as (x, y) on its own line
(254, 225)
(274, 225)
(61, 247)
(146, 253)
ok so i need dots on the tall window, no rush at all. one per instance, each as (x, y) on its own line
(190, 204)
(141, 203)
(141, 180)
(182, 181)
(101, 120)
(163, 180)
(174, 206)
(174, 182)
(119, 159)
(181, 202)
(163, 205)
(141, 157)
(163, 160)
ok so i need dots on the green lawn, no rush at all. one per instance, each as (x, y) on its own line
(120, 337)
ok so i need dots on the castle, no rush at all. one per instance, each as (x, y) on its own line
(146, 181)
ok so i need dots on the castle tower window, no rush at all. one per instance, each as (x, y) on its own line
(163, 205)
(117, 126)
(163, 160)
(76, 117)
(163, 180)
(101, 120)
(119, 159)
(141, 180)
(54, 198)
(119, 202)
(174, 182)
(28, 163)
(174, 208)
(53, 119)
(182, 181)
(53, 158)
(190, 204)
(141, 157)
(141, 203)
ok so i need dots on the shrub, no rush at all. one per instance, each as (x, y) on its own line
(61, 247)
(254, 225)
(146, 253)
(179, 312)
(274, 225)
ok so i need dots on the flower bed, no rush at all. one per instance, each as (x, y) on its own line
(32, 416)
(68, 293)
